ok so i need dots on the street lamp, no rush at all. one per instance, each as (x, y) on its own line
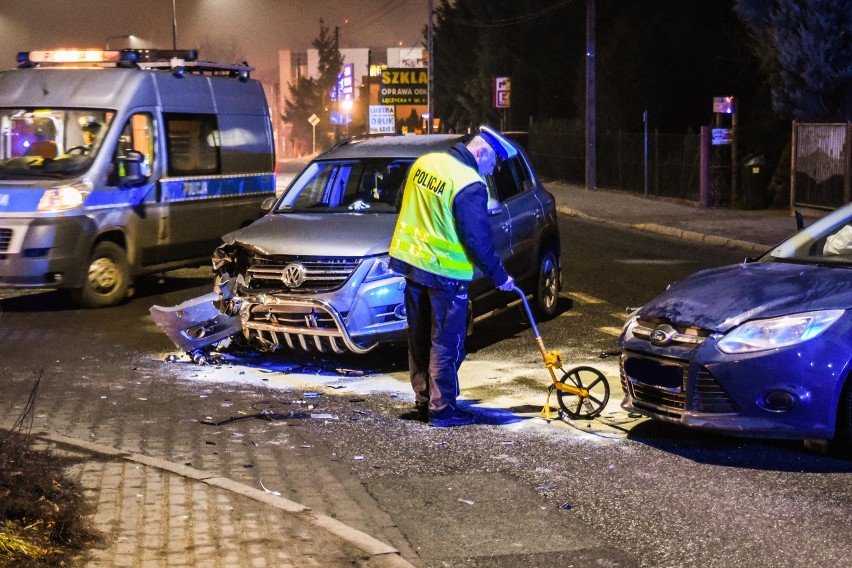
(131, 37)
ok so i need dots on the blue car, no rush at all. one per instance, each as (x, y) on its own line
(759, 349)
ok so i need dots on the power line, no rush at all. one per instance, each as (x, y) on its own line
(509, 21)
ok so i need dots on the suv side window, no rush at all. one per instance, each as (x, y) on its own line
(193, 144)
(509, 178)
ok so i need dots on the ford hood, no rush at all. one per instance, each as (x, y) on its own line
(304, 234)
(722, 298)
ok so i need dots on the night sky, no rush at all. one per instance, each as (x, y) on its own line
(251, 30)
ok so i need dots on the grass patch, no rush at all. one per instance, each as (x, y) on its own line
(44, 519)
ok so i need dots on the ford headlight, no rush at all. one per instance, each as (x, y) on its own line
(380, 270)
(773, 333)
(64, 197)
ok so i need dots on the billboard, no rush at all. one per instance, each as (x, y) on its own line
(382, 119)
(400, 86)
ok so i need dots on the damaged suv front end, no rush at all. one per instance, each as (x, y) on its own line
(310, 302)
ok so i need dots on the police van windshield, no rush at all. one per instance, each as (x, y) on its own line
(368, 185)
(51, 142)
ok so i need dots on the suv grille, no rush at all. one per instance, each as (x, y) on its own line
(320, 274)
(5, 239)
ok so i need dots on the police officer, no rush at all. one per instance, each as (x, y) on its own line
(441, 234)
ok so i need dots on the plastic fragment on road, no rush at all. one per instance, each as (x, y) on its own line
(466, 501)
(350, 372)
(565, 506)
(276, 493)
(324, 416)
(359, 458)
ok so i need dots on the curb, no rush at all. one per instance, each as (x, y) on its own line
(383, 554)
(745, 246)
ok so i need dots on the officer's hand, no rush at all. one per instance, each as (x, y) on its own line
(508, 285)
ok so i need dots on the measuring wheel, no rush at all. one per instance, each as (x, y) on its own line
(587, 378)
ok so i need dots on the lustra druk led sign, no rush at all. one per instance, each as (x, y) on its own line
(404, 87)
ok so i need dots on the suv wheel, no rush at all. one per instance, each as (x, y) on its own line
(547, 284)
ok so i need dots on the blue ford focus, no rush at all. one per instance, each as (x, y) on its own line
(760, 349)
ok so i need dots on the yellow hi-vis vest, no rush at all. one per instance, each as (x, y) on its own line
(425, 234)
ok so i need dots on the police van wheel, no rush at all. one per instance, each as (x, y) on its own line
(547, 284)
(107, 278)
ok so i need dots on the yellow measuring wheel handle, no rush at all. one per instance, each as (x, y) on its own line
(553, 360)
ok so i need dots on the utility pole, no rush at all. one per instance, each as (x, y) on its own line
(174, 26)
(591, 141)
(431, 77)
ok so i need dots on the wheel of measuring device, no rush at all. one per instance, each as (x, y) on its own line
(593, 381)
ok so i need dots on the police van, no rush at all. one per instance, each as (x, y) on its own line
(115, 164)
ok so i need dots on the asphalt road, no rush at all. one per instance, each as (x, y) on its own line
(513, 490)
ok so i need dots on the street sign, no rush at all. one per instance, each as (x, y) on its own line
(502, 89)
(721, 136)
(313, 119)
(723, 105)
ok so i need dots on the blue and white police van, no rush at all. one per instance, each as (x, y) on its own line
(115, 164)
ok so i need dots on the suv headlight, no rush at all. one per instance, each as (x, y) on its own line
(64, 197)
(773, 333)
(380, 269)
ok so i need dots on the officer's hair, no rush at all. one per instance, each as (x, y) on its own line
(478, 142)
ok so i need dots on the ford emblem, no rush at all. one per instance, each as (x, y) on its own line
(662, 334)
(293, 275)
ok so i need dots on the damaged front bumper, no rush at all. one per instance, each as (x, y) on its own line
(356, 317)
(196, 323)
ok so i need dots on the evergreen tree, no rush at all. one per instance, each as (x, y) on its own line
(805, 47)
(313, 95)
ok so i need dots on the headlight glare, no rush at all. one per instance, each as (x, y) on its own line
(774, 333)
(64, 197)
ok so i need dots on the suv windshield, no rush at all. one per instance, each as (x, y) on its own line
(828, 241)
(51, 142)
(364, 185)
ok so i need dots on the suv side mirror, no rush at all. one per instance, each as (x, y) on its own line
(268, 204)
(129, 169)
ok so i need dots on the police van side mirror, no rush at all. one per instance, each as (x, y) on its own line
(494, 206)
(130, 169)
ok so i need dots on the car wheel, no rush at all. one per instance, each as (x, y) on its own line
(842, 442)
(107, 277)
(547, 284)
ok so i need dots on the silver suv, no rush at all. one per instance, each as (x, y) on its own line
(313, 273)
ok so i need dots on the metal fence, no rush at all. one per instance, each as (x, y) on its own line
(822, 169)
(557, 149)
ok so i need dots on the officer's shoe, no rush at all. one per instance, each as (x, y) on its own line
(450, 416)
(420, 413)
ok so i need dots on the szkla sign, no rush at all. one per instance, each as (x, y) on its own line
(404, 87)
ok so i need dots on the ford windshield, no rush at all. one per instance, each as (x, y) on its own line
(826, 242)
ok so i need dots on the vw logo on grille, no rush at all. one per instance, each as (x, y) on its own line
(293, 275)
(662, 334)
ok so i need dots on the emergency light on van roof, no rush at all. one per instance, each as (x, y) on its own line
(180, 62)
(68, 56)
(99, 56)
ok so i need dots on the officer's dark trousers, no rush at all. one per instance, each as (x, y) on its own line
(437, 321)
